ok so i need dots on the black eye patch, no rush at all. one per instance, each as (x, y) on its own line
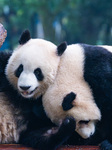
(84, 121)
(19, 71)
(38, 73)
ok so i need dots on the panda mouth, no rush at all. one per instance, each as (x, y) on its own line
(27, 93)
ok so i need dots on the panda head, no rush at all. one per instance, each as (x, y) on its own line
(33, 65)
(86, 114)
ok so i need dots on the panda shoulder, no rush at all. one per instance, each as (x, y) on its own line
(4, 57)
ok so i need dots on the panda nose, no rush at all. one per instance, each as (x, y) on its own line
(25, 87)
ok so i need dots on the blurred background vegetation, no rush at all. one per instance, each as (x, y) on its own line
(74, 21)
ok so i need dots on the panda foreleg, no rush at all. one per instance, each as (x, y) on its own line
(67, 101)
(49, 139)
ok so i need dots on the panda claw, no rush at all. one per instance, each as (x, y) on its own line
(68, 125)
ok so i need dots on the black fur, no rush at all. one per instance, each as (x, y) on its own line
(67, 101)
(18, 71)
(4, 56)
(25, 37)
(49, 141)
(61, 48)
(98, 73)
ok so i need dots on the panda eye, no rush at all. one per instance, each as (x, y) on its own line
(19, 71)
(84, 121)
(38, 73)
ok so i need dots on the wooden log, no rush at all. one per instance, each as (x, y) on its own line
(21, 147)
(79, 148)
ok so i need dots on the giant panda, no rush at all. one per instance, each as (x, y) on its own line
(83, 90)
(25, 75)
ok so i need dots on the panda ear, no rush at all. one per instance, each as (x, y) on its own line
(61, 48)
(24, 37)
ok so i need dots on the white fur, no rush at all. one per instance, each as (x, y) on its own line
(86, 130)
(36, 53)
(70, 79)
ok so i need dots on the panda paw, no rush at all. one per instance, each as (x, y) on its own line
(105, 145)
(68, 125)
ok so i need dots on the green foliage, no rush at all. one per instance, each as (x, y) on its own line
(87, 21)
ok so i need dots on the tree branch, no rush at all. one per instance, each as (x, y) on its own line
(3, 34)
